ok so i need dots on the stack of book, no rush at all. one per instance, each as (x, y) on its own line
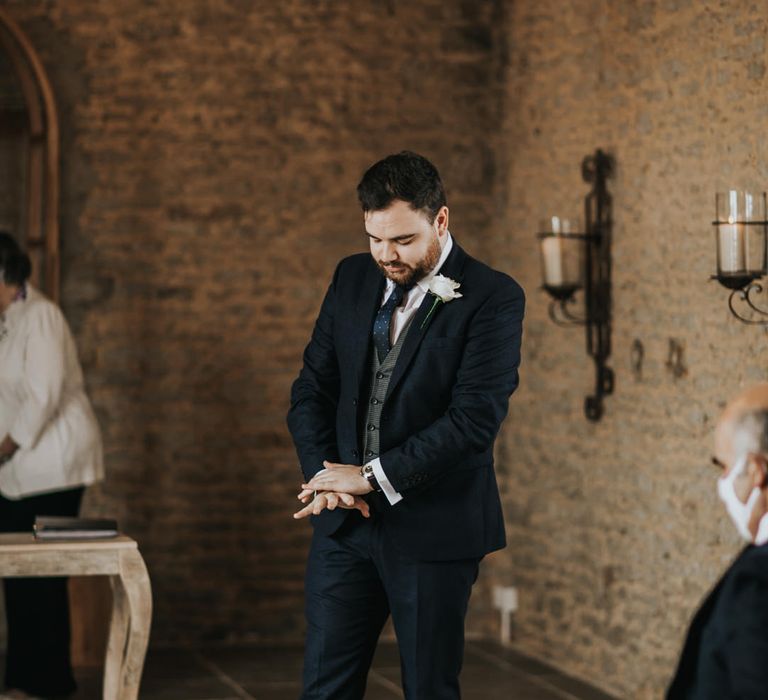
(50, 527)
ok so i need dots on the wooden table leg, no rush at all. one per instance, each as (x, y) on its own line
(118, 633)
(129, 629)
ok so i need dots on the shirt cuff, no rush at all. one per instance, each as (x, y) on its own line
(389, 491)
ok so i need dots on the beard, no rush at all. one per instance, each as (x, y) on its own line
(407, 275)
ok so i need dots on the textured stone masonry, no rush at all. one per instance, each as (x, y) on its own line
(615, 530)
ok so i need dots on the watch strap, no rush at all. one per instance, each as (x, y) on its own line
(367, 471)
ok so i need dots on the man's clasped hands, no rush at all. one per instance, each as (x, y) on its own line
(336, 486)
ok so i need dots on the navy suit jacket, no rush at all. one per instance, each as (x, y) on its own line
(726, 652)
(447, 397)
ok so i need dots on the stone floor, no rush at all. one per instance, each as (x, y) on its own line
(255, 673)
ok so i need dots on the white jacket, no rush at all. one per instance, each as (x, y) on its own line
(43, 405)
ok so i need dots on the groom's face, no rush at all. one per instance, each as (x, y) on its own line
(404, 243)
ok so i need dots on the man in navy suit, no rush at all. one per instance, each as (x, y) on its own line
(404, 386)
(726, 651)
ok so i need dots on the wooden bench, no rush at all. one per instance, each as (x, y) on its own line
(22, 555)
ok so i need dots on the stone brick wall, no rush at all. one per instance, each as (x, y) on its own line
(210, 154)
(615, 529)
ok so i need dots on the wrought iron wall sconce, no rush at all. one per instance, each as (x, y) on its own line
(740, 237)
(574, 259)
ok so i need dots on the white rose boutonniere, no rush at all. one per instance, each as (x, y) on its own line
(444, 290)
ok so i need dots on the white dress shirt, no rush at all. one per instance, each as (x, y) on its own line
(43, 406)
(404, 313)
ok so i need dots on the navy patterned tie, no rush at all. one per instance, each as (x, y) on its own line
(384, 320)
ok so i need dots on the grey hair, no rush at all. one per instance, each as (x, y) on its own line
(750, 433)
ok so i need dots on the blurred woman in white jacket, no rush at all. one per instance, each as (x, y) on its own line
(50, 449)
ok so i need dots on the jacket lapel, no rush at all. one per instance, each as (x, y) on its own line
(453, 267)
(366, 307)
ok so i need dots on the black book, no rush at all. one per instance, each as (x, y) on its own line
(54, 527)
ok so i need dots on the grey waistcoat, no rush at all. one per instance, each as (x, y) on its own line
(381, 373)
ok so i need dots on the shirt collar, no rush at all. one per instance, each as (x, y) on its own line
(16, 306)
(423, 283)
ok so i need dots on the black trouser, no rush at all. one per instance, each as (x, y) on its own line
(355, 579)
(37, 609)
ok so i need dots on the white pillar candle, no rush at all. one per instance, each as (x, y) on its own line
(732, 248)
(552, 254)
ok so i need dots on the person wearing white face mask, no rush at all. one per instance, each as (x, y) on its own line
(750, 521)
(726, 649)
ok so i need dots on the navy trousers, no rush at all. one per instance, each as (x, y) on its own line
(355, 579)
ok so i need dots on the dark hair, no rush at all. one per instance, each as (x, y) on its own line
(14, 262)
(406, 176)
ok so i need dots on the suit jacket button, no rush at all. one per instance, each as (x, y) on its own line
(371, 426)
(379, 375)
(354, 402)
(369, 453)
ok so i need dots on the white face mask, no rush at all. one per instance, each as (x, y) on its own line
(740, 512)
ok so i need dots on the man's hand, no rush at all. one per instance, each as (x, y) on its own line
(330, 500)
(340, 478)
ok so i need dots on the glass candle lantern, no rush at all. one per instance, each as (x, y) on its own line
(740, 236)
(562, 256)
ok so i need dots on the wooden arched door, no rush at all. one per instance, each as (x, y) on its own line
(29, 154)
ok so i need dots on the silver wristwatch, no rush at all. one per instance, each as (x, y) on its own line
(367, 471)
